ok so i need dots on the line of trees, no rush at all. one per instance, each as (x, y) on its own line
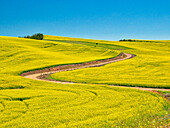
(133, 40)
(38, 36)
(126, 40)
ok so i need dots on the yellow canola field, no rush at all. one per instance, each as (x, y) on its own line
(31, 103)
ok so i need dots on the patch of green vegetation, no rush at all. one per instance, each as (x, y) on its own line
(38, 36)
(108, 46)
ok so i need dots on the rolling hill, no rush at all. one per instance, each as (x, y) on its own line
(31, 103)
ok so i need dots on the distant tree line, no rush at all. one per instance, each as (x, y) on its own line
(133, 40)
(38, 36)
(125, 40)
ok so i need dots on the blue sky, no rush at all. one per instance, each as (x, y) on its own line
(94, 19)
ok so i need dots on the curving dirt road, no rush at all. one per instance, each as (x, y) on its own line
(42, 74)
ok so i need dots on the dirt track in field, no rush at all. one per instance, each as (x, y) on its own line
(43, 73)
